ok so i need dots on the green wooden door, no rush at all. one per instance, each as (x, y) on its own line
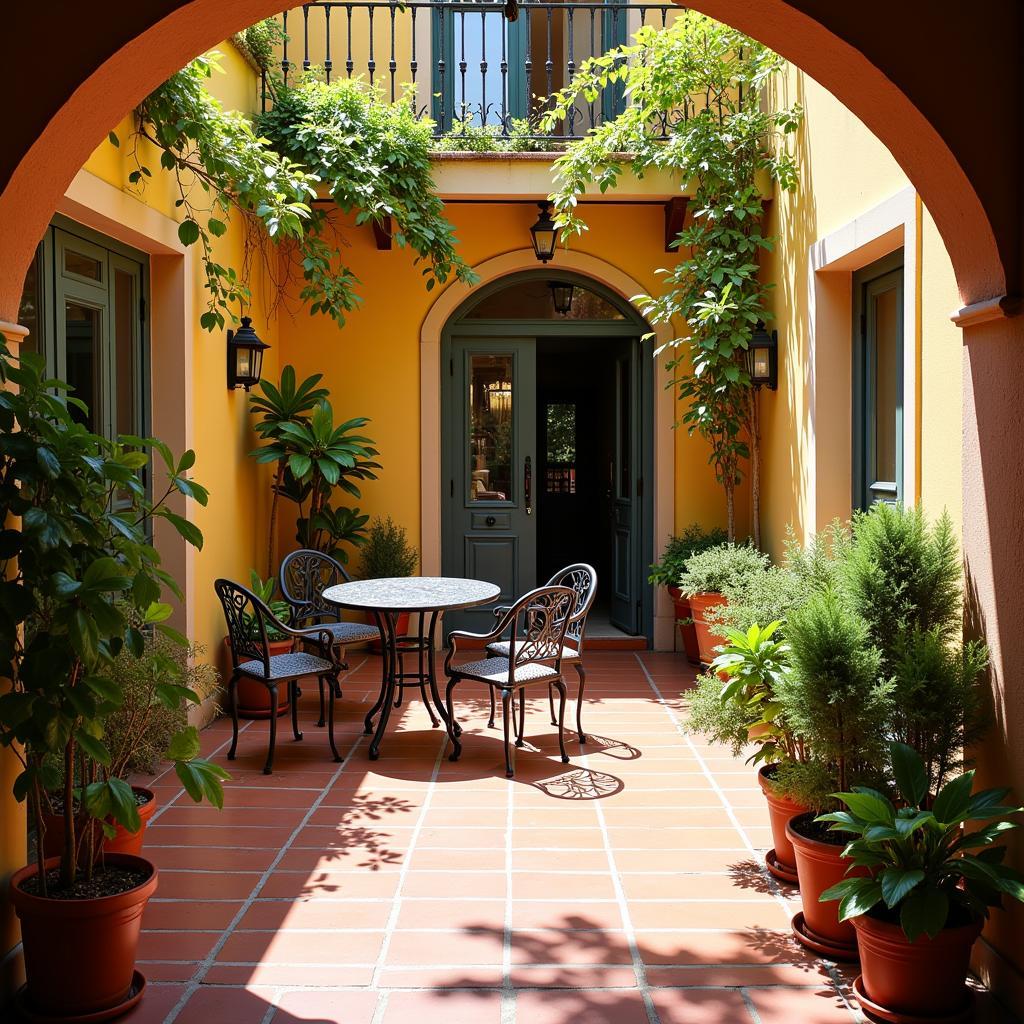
(625, 496)
(489, 469)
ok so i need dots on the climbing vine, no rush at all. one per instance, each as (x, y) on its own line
(694, 107)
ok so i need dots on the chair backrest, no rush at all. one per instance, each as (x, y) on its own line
(305, 575)
(582, 580)
(246, 617)
(539, 620)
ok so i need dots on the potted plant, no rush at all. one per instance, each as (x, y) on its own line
(706, 575)
(388, 553)
(668, 571)
(139, 732)
(80, 582)
(753, 665)
(928, 888)
(833, 700)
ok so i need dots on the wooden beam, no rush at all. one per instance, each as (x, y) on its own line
(675, 214)
(382, 233)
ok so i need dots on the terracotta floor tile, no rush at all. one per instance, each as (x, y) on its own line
(451, 913)
(552, 914)
(326, 1007)
(287, 975)
(410, 948)
(188, 915)
(440, 978)
(815, 1006)
(706, 1006)
(442, 1007)
(208, 885)
(339, 915)
(746, 946)
(226, 1006)
(185, 946)
(552, 886)
(759, 913)
(326, 947)
(576, 947)
(335, 884)
(155, 1004)
(205, 858)
(601, 1007)
(482, 884)
(595, 976)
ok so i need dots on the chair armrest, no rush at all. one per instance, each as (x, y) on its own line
(322, 638)
(501, 610)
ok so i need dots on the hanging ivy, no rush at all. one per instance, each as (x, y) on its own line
(694, 107)
(340, 140)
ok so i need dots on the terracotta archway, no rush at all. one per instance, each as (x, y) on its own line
(111, 64)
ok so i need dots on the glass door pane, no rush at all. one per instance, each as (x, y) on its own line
(886, 373)
(83, 336)
(490, 427)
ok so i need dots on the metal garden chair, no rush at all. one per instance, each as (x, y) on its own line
(536, 626)
(247, 620)
(582, 578)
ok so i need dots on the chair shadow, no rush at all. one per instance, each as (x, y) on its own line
(580, 784)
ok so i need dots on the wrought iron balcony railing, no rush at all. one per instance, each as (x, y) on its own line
(469, 69)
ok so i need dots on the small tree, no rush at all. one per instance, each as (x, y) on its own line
(694, 106)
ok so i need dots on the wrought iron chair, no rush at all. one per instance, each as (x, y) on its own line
(535, 626)
(247, 619)
(305, 575)
(582, 578)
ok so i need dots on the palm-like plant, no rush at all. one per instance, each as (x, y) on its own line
(279, 404)
(919, 857)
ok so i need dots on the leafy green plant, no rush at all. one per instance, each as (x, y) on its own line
(80, 582)
(260, 41)
(718, 568)
(694, 107)
(833, 700)
(264, 590)
(720, 721)
(668, 570)
(466, 136)
(274, 406)
(387, 551)
(922, 868)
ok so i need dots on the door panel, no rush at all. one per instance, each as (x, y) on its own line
(488, 456)
(626, 536)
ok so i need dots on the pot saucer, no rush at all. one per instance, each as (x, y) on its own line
(821, 945)
(874, 1012)
(783, 872)
(135, 993)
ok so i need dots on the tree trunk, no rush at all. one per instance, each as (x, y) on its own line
(272, 529)
(755, 467)
(730, 509)
(68, 863)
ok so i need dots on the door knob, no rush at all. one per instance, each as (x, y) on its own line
(490, 520)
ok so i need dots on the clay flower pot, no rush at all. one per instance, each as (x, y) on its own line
(707, 639)
(819, 866)
(687, 630)
(254, 697)
(80, 954)
(123, 841)
(908, 981)
(401, 629)
(781, 859)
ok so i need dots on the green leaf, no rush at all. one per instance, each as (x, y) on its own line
(954, 800)
(924, 912)
(910, 773)
(123, 808)
(94, 749)
(897, 882)
(184, 746)
(189, 531)
(860, 900)
(868, 807)
(113, 139)
(188, 232)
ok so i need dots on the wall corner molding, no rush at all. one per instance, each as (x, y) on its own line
(1000, 307)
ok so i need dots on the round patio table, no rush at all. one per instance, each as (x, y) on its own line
(425, 597)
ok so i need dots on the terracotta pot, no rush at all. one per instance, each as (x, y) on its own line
(781, 860)
(819, 866)
(123, 841)
(687, 630)
(254, 697)
(925, 978)
(80, 954)
(401, 627)
(707, 639)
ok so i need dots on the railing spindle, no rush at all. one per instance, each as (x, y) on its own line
(392, 63)
(528, 65)
(483, 66)
(306, 63)
(441, 68)
(349, 63)
(371, 64)
(571, 68)
(504, 84)
(462, 66)
(285, 63)
(413, 66)
(328, 63)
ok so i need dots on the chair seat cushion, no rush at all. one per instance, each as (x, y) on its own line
(495, 670)
(500, 648)
(347, 632)
(288, 666)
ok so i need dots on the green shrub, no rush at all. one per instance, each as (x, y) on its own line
(469, 137)
(387, 551)
(720, 721)
(669, 569)
(721, 567)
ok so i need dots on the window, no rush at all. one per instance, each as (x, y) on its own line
(878, 382)
(83, 303)
(560, 435)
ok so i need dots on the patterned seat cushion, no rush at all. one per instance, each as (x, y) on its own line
(347, 632)
(500, 648)
(495, 670)
(288, 666)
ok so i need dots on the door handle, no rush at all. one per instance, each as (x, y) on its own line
(490, 521)
(528, 485)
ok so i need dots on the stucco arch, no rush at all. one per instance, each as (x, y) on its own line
(441, 312)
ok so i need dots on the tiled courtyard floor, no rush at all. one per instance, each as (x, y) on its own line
(623, 888)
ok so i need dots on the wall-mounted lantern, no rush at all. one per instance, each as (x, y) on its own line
(763, 357)
(245, 356)
(561, 296)
(544, 233)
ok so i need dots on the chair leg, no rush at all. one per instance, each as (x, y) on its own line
(582, 673)
(452, 727)
(522, 716)
(268, 768)
(490, 721)
(344, 666)
(332, 683)
(385, 662)
(506, 696)
(320, 683)
(551, 704)
(561, 720)
(294, 686)
(233, 702)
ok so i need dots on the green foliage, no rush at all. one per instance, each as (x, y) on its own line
(387, 551)
(668, 571)
(721, 567)
(260, 41)
(264, 589)
(372, 157)
(469, 137)
(723, 147)
(720, 721)
(80, 584)
(922, 871)
(833, 698)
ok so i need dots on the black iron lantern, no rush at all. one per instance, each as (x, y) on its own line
(245, 356)
(561, 296)
(544, 233)
(763, 357)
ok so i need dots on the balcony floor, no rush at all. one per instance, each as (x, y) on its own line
(623, 888)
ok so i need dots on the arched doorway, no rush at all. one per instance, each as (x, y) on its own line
(547, 441)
